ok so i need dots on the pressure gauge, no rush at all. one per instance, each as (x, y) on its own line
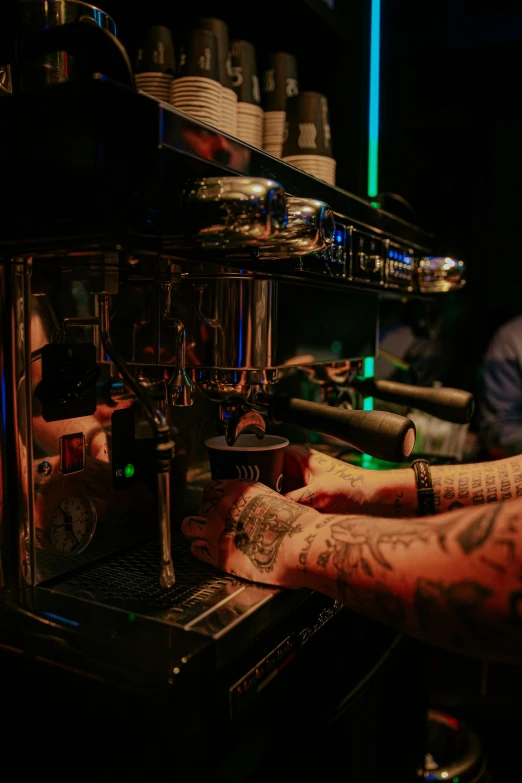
(73, 524)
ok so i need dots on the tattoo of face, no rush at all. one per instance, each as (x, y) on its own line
(458, 608)
(478, 531)
(262, 524)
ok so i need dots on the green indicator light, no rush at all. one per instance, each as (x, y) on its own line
(376, 204)
(132, 618)
(129, 470)
(456, 780)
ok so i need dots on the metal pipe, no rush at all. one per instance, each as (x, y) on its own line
(164, 454)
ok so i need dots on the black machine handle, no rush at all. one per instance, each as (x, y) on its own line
(448, 404)
(386, 436)
(95, 50)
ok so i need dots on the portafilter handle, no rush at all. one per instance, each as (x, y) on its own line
(386, 436)
(448, 404)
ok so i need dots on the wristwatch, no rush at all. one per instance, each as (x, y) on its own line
(425, 493)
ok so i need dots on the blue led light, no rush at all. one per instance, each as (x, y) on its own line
(373, 120)
(61, 619)
(339, 238)
(390, 254)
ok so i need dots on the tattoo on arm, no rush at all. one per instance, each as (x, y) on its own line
(305, 551)
(478, 531)
(477, 484)
(259, 526)
(340, 469)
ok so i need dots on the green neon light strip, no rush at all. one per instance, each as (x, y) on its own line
(373, 121)
(368, 372)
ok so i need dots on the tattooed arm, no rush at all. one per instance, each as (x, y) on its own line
(454, 580)
(334, 486)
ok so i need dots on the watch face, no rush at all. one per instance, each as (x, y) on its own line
(73, 524)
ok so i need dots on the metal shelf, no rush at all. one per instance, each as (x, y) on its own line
(72, 137)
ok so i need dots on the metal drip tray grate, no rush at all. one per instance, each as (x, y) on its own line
(130, 581)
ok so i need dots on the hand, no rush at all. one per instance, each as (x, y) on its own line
(325, 483)
(250, 531)
(336, 487)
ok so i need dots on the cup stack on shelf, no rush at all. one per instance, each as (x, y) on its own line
(196, 90)
(279, 84)
(228, 114)
(246, 86)
(155, 63)
(308, 145)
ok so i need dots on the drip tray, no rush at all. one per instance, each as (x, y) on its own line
(202, 598)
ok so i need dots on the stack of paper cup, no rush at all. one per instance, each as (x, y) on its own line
(316, 165)
(228, 117)
(308, 145)
(228, 121)
(155, 84)
(274, 132)
(250, 124)
(155, 63)
(246, 86)
(197, 90)
(279, 84)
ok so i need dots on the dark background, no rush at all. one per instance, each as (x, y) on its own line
(451, 145)
(450, 134)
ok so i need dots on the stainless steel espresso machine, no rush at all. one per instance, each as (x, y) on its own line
(159, 281)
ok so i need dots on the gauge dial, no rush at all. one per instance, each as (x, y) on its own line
(73, 524)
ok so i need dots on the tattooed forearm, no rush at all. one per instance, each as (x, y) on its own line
(459, 607)
(454, 579)
(341, 470)
(458, 486)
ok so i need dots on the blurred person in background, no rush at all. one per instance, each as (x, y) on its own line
(500, 419)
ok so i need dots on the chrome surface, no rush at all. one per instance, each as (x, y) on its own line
(35, 16)
(439, 275)
(228, 212)
(242, 313)
(310, 229)
(164, 448)
(17, 544)
(181, 392)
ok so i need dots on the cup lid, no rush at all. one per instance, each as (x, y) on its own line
(248, 443)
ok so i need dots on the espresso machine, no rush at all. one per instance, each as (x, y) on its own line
(159, 283)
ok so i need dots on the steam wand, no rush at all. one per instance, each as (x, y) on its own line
(164, 455)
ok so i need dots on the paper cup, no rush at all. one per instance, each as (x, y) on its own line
(308, 125)
(156, 54)
(220, 30)
(279, 81)
(251, 459)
